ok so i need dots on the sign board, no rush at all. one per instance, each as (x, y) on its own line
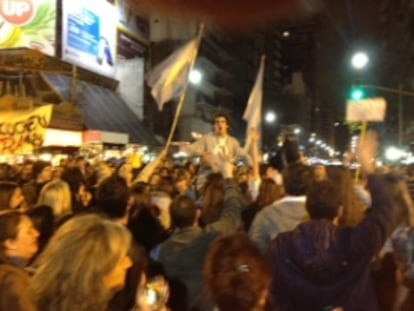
(23, 131)
(89, 35)
(366, 110)
(28, 23)
(130, 22)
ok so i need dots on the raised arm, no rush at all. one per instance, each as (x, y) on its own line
(149, 169)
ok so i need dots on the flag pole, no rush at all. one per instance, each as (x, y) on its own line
(262, 63)
(362, 136)
(183, 95)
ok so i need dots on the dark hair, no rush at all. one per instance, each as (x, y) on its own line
(9, 223)
(221, 114)
(6, 192)
(141, 191)
(237, 273)
(43, 220)
(269, 192)
(38, 167)
(74, 178)
(323, 200)
(183, 211)
(212, 198)
(112, 197)
(296, 178)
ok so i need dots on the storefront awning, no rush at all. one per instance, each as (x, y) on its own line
(104, 110)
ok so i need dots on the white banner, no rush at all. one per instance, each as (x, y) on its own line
(370, 110)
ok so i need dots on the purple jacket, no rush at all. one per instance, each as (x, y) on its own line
(318, 265)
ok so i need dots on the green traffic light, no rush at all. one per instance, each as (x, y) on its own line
(357, 94)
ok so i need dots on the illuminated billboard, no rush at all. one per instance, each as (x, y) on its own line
(28, 23)
(89, 35)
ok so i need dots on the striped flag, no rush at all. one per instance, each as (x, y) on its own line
(168, 79)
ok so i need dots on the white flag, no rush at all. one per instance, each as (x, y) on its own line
(253, 112)
(169, 78)
(371, 109)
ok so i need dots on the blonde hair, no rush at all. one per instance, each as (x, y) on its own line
(56, 194)
(78, 257)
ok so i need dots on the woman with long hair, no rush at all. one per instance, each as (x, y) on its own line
(269, 192)
(56, 194)
(11, 196)
(83, 265)
(18, 244)
(237, 275)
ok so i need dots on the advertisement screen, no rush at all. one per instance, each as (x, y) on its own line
(89, 35)
(28, 23)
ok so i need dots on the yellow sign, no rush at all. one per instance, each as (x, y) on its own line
(23, 131)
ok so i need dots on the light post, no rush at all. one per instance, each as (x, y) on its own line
(195, 76)
(360, 60)
(270, 119)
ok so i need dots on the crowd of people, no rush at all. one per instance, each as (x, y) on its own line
(283, 236)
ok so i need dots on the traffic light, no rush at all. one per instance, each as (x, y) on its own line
(357, 93)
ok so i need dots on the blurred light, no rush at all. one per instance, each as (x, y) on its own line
(286, 34)
(311, 140)
(195, 76)
(359, 60)
(393, 153)
(357, 94)
(337, 124)
(319, 142)
(270, 117)
(296, 131)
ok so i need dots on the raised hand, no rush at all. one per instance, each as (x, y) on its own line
(367, 151)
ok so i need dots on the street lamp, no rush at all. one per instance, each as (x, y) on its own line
(195, 76)
(270, 117)
(359, 60)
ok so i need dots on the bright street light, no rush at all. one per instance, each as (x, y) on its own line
(359, 60)
(270, 117)
(195, 76)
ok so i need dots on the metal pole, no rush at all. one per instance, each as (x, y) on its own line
(400, 116)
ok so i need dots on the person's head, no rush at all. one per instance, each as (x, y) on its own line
(42, 171)
(56, 194)
(11, 196)
(83, 265)
(75, 179)
(267, 171)
(221, 124)
(102, 171)
(323, 200)
(237, 274)
(183, 212)
(354, 210)
(141, 193)
(269, 192)
(80, 162)
(296, 179)
(26, 172)
(212, 198)
(401, 198)
(154, 181)
(182, 181)
(43, 220)
(18, 237)
(113, 198)
(319, 172)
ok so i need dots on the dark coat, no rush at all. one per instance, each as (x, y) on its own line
(14, 289)
(318, 265)
(183, 253)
